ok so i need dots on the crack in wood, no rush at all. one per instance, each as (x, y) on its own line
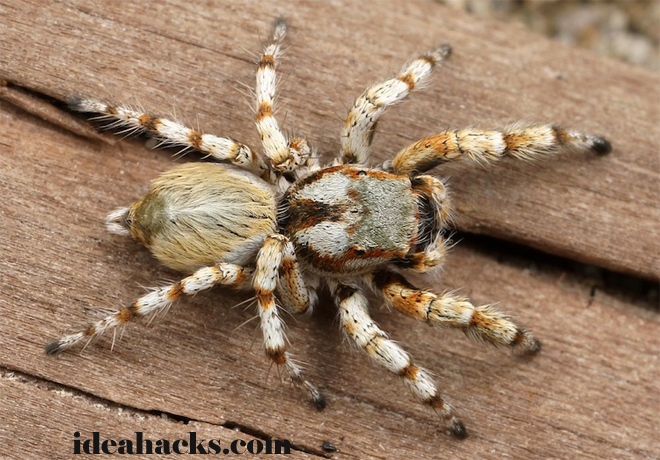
(43, 106)
(51, 385)
(597, 279)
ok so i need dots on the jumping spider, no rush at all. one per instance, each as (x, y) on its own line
(282, 224)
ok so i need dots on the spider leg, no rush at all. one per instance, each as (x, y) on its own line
(483, 322)
(522, 142)
(431, 257)
(294, 290)
(285, 155)
(360, 123)
(269, 262)
(358, 325)
(157, 301)
(434, 206)
(171, 133)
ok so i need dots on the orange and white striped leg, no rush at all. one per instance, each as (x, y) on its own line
(285, 155)
(171, 133)
(358, 325)
(269, 262)
(158, 300)
(295, 293)
(360, 123)
(484, 322)
(522, 142)
(432, 257)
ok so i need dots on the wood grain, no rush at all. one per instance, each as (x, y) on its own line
(49, 408)
(597, 210)
(590, 394)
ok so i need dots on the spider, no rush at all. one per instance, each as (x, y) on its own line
(284, 226)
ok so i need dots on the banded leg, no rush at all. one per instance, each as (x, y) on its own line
(158, 300)
(522, 142)
(483, 323)
(360, 123)
(285, 155)
(269, 262)
(431, 257)
(296, 295)
(171, 133)
(358, 325)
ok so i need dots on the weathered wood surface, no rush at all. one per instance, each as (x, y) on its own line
(598, 210)
(591, 393)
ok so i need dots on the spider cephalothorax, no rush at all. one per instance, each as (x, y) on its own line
(348, 220)
(282, 225)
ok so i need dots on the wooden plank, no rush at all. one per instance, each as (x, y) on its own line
(589, 394)
(601, 211)
(49, 409)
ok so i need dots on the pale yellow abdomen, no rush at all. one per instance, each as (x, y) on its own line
(198, 214)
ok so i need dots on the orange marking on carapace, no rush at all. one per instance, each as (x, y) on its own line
(301, 219)
(359, 173)
(338, 264)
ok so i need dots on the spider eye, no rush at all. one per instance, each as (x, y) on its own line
(362, 173)
(359, 252)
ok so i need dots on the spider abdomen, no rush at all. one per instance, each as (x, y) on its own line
(349, 219)
(199, 214)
